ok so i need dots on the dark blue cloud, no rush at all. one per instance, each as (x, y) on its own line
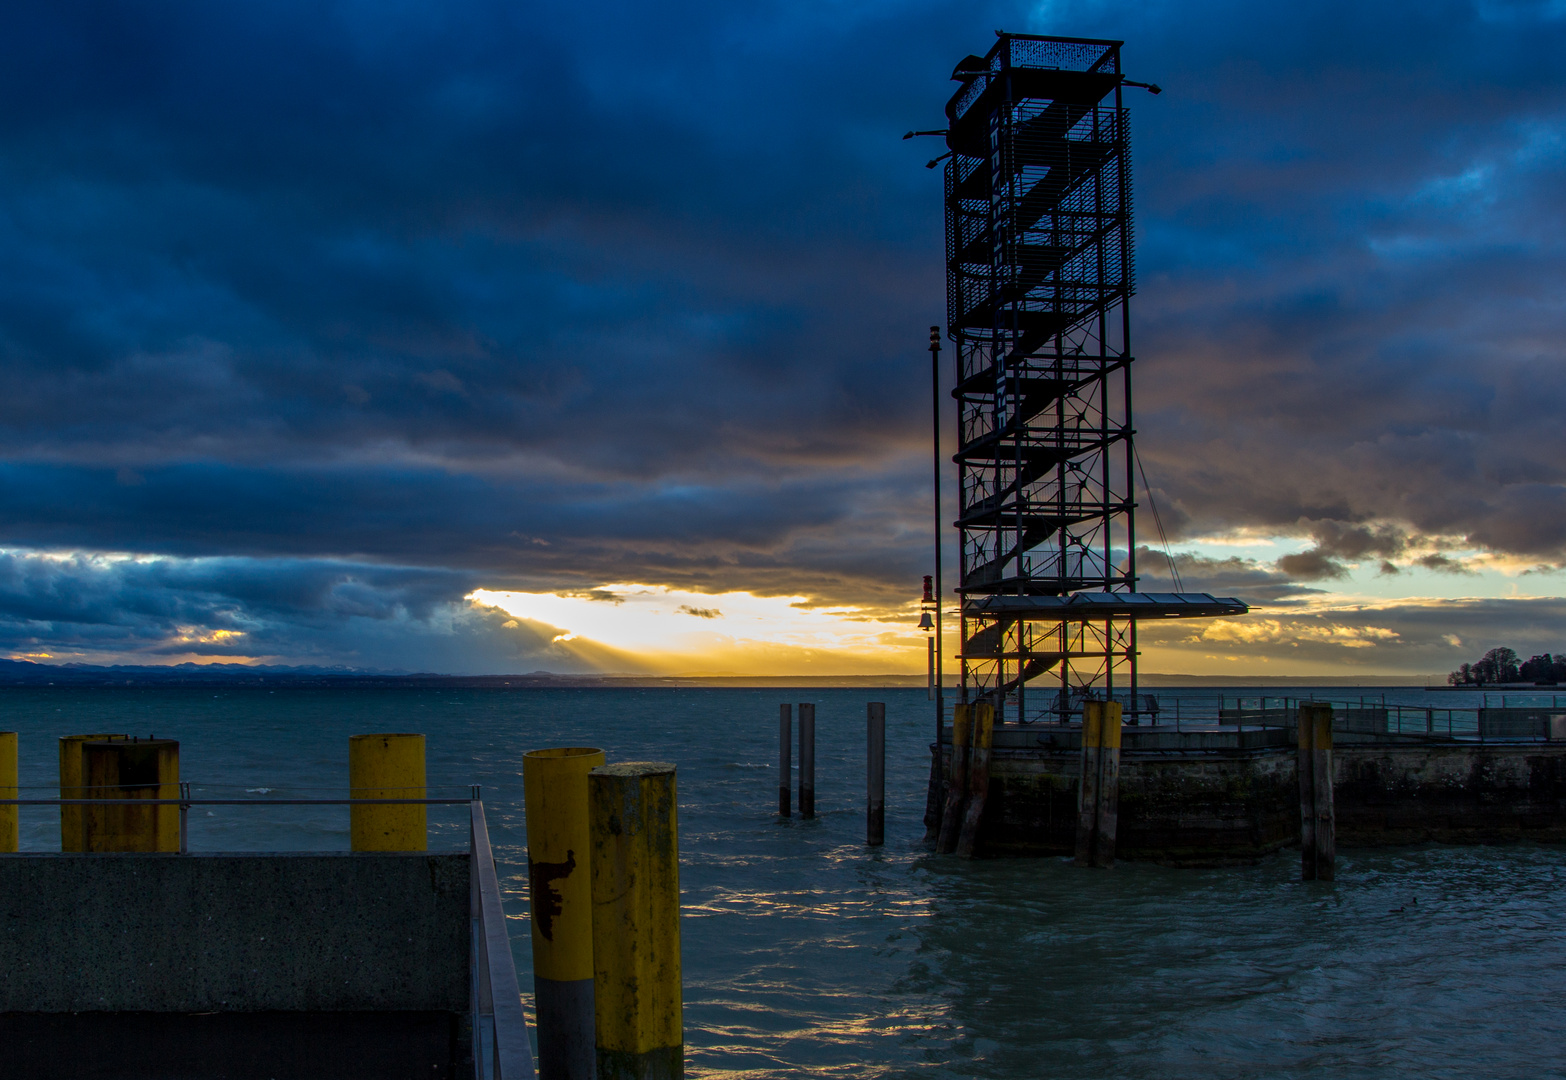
(557, 295)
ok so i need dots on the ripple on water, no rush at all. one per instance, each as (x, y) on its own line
(806, 952)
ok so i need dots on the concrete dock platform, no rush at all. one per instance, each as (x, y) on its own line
(1225, 794)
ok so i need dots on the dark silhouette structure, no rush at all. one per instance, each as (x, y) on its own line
(1040, 273)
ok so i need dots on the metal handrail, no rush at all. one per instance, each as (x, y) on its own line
(501, 1050)
(500, 1043)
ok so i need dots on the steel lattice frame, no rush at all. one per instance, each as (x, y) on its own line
(1039, 280)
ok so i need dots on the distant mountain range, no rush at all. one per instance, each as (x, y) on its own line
(28, 673)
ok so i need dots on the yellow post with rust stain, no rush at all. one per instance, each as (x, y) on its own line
(10, 820)
(387, 766)
(636, 922)
(130, 769)
(1098, 792)
(561, 897)
(73, 819)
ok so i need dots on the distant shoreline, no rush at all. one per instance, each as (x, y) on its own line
(25, 673)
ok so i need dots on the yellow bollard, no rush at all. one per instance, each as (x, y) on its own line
(387, 767)
(130, 769)
(10, 819)
(560, 895)
(73, 819)
(639, 1024)
(1098, 791)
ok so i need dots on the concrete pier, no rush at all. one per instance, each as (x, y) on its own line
(1223, 796)
(296, 965)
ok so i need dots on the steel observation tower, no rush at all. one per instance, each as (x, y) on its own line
(1040, 273)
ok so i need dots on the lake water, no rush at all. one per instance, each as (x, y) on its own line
(804, 951)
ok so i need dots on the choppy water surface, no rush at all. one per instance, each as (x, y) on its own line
(805, 951)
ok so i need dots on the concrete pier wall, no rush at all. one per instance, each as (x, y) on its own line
(1211, 798)
(234, 965)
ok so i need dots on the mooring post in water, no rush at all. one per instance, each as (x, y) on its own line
(785, 765)
(875, 773)
(560, 896)
(635, 868)
(387, 766)
(130, 769)
(956, 781)
(1318, 829)
(807, 760)
(73, 819)
(978, 779)
(10, 820)
(1098, 793)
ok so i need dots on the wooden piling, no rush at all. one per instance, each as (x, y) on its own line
(875, 774)
(956, 781)
(1318, 826)
(1098, 792)
(785, 765)
(807, 760)
(978, 779)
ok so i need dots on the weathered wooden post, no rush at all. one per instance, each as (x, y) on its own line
(956, 781)
(1318, 828)
(785, 766)
(978, 779)
(560, 898)
(1098, 793)
(637, 998)
(875, 773)
(807, 760)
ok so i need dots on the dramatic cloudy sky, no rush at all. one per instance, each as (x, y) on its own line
(510, 336)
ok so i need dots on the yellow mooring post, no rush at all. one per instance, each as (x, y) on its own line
(956, 781)
(561, 897)
(387, 766)
(130, 769)
(1098, 793)
(636, 922)
(73, 819)
(1318, 829)
(10, 820)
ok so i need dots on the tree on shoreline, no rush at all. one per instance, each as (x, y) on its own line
(1501, 665)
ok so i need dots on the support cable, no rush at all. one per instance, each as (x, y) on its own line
(1157, 520)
